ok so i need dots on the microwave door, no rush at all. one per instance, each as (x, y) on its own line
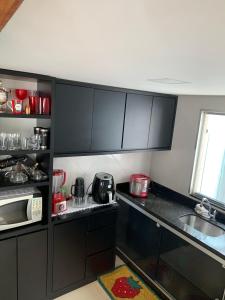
(14, 214)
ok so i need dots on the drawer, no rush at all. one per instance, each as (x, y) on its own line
(100, 239)
(101, 219)
(100, 263)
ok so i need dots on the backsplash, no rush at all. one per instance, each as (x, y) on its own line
(121, 166)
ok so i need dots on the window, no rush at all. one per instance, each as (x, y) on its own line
(208, 177)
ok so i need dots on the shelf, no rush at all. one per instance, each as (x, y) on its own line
(22, 230)
(5, 115)
(11, 186)
(22, 152)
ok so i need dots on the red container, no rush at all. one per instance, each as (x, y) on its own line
(32, 104)
(139, 184)
(58, 203)
(46, 105)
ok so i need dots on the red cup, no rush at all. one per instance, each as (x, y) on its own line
(33, 104)
(45, 105)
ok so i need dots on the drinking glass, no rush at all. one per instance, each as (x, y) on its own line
(33, 143)
(3, 141)
(17, 137)
(11, 141)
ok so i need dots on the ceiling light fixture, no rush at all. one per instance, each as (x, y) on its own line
(166, 80)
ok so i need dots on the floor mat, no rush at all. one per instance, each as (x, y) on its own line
(122, 283)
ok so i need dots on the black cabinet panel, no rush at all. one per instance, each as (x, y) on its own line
(138, 237)
(100, 239)
(188, 273)
(69, 253)
(102, 219)
(108, 117)
(8, 269)
(32, 266)
(162, 122)
(137, 121)
(73, 118)
(100, 263)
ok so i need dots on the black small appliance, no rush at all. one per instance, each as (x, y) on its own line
(103, 188)
(77, 190)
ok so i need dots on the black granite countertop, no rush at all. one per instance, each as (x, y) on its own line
(167, 206)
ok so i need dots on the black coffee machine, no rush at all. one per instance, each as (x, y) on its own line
(103, 188)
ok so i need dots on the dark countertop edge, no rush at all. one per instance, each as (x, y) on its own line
(179, 230)
(79, 214)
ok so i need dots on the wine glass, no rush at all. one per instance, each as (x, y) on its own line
(21, 94)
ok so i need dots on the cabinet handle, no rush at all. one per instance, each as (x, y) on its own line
(158, 225)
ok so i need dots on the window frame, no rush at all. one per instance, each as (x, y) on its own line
(192, 189)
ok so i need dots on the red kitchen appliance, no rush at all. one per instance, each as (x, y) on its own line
(139, 184)
(59, 179)
(58, 199)
(58, 203)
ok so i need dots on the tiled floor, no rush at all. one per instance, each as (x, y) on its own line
(92, 291)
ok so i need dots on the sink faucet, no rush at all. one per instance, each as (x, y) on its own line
(203, 211)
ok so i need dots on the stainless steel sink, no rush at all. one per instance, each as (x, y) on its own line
(202, 225)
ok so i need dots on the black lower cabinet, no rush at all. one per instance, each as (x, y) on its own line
(138, 237)
(181, 269)
(186, 272)
(69, 246)
(8, 269)
(100, 263)
(32, 266)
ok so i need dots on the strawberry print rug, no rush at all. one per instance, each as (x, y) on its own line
(124, 284)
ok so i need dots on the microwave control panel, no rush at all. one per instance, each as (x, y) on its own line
(36, 209)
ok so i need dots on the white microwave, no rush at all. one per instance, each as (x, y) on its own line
(20, 207)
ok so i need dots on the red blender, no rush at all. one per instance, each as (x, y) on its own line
(58, 199)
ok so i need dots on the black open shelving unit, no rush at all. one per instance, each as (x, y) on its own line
(45, 87)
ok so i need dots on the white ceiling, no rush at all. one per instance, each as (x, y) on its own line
(121, 42)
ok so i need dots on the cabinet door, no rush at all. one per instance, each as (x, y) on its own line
(8, 269)
(32, 266)
(108, 117)
(73, 118)
(186, 272)
(69, 253)
(137, 121)
(138, 237)
(162, 122)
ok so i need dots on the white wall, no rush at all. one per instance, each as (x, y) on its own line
(174, 168)
(121, 166)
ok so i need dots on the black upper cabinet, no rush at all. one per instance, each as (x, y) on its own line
(32, 266)
(162, 122)
(8, 269)
(108, 117)
(69, 253)
(91, 119)
(73, 118)
(137, 121)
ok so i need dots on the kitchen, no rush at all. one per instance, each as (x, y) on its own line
(71, 128)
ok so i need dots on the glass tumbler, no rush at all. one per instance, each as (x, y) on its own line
(34, 142)
(11, 141)
(3, 141)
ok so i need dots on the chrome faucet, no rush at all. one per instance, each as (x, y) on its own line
(209, 213)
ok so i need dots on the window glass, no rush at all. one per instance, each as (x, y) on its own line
(208, 178)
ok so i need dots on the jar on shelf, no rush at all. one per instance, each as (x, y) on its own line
(3, 98)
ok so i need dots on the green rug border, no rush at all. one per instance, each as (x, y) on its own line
(109, 294)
